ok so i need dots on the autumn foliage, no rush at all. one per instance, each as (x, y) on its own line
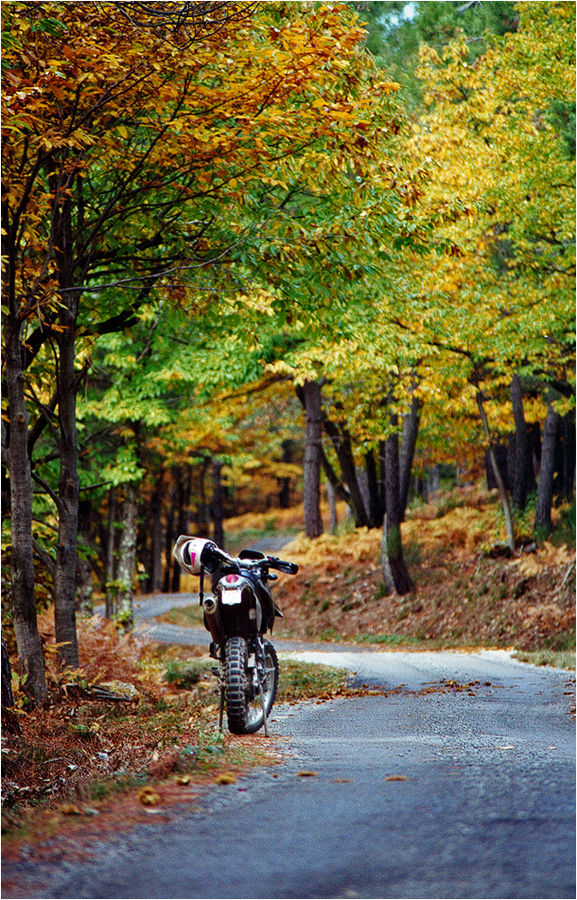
(209, 219)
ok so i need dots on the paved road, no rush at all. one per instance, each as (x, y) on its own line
(481, 801)
(146, 609)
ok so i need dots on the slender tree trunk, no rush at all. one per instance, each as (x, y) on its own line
(500, 484)
(66, 388)
(523, 481)
(342, 443)
(169, 539)
(10, 721)
(111, 555)
(65, 571)
(543, 522)
(382, 475)
(84, 602)
(332, 498)
(374, 501)
(217, 504)
(203, 509)
(395, 572)
(567, 464)
(31, 659)
(335, 482)
(127, 558)
(183, 491)
(312, 460)
(155, 583)
(284, 493)
(407, 453)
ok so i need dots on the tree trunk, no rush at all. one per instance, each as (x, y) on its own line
(183, 490)
(332, 498)
(31, 659)
(203, 512)
(217, 505)
(111, 555)
(10, 721)
(543, 522)
(84, 602)
(394, 568)
(341, 441)
(127, 558)
(374, 501)
(312, 459)
(407, 454)
(284, 493)
(66, 389)
(523, 480)
(169, 539)
(567, 457)
(65, 571)
(155, 582)
(496, 472)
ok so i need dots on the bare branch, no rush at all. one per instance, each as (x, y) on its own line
(187, 22)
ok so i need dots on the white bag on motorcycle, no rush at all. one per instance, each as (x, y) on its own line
(188, 552)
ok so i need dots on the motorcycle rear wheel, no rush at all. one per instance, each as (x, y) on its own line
(243, 702)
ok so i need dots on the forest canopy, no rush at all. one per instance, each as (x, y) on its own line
(252, 249)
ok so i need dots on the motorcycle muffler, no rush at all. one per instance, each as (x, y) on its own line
(209, 605)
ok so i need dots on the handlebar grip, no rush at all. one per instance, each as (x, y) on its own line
(283, 565)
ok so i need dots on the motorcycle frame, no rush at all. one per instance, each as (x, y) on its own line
(237, 621)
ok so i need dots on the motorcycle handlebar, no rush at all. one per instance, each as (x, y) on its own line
(283, 565)
(194, 553)
(272, 562)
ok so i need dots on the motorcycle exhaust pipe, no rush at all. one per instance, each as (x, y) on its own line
(209, 605)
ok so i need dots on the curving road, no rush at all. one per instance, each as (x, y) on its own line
(457, 781)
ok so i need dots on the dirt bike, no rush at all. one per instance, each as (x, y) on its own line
(238, 614)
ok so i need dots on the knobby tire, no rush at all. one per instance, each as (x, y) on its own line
(238, 707)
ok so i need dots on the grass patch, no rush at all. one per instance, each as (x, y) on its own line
(184, 616)
(305, 681)
(186, 673)
(391, 640)
(559, 659)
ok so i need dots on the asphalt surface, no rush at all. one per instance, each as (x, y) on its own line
(147, 609)
(457, 781)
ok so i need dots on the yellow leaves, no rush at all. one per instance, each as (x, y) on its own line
(387, 87)
(358, 546)
(183, 780)
(148, 796)
(280, 367)
(226, 778)
(545, 557)
(69, 809)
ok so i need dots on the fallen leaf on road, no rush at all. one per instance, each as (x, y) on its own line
(306, 774)
(69, 809)
(396, 778)
(148, 796)
(226, 778)
(183, 779)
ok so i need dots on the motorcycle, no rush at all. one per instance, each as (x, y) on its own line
(238, 614)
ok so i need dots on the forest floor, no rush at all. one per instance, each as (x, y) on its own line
(88, 758)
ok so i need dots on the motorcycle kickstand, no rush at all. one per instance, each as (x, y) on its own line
(221, 709)
(264, 715)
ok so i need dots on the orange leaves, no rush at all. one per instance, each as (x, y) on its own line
(547, 556)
